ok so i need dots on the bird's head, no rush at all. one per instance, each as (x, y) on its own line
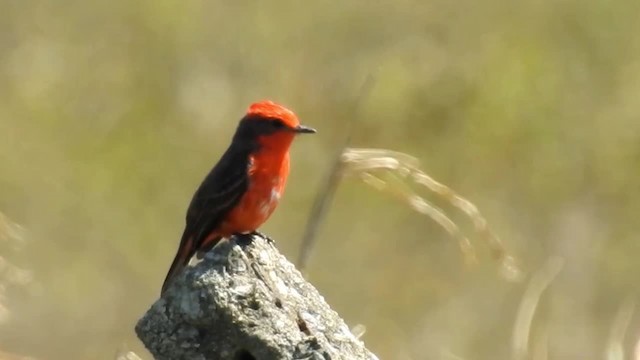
(270, 125)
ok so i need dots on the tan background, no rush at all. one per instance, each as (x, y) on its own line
(111, 112)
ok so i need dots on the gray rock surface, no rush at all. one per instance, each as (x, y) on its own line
(245, 301)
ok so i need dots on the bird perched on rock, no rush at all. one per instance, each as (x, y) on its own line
(244, 187)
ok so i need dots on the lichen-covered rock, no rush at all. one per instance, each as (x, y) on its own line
(246, 301)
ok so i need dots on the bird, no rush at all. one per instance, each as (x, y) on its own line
(243, 189)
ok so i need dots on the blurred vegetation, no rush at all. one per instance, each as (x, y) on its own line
(111, 112)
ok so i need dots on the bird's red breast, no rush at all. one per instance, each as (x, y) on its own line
(267, 179)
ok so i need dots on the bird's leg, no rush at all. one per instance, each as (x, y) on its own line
(246, 238)
(264, 236)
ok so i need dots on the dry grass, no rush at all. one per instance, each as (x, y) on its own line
(398, 174)
(127, 355)
(619, 327)
(12, 277)
(538, 283)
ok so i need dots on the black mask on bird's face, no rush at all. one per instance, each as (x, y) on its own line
(262, 131)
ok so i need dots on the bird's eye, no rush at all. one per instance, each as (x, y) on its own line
(277, 123)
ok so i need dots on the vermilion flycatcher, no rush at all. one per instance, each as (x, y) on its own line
(243, 188)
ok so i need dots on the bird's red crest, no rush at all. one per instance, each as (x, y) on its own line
(269, 109)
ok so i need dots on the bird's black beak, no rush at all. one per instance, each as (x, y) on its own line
(301, 129)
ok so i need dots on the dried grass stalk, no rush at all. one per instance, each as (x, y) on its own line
(396, 173)
(615, 343)
(539, 282)
(11, 276)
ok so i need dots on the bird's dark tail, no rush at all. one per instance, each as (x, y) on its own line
(184, 254)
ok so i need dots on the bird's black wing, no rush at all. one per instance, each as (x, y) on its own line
(218, 194)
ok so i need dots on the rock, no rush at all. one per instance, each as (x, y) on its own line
(245, 301)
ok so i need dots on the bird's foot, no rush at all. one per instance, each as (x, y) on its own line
(262, 235)
(245, 239)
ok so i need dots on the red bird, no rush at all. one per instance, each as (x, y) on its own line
(243, 188)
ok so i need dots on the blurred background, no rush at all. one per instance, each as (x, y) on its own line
(111, 113)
